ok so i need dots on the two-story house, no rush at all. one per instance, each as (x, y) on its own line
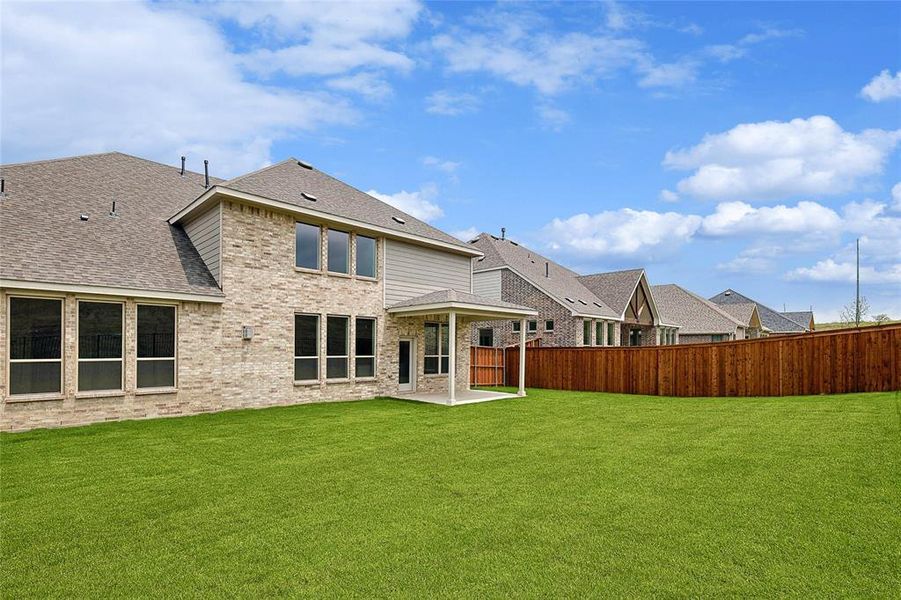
(603, 309)
(132, 289)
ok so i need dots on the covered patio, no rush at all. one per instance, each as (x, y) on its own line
(458, 306)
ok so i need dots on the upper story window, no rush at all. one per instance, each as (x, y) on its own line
(99, 346)
(338, 251)
(35, 346)
(156, 346)
(366, 256)
(307, 239)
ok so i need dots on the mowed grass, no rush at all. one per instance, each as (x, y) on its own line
(560, 493)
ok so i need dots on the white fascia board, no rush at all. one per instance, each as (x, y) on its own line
(464, 309)
(318, 214)
(103, 290)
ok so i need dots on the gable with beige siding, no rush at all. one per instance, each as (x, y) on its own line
(412, 271)
(205, 233)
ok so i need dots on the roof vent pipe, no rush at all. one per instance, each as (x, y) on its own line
(2, 186)
(206, 173)
(503, 233)
(547, 269)
(113, 212)
(182, 166)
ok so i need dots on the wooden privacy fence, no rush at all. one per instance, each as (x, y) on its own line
(829, 362)
(487, 364)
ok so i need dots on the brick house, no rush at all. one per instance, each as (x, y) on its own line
(603, 309)
(775, 322)
(702, 321)
(132, 289)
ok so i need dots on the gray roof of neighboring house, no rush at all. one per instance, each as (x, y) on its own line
(45, 240)
(560, 282)
(742, 311)
(447, 296)
(692, 313)
(801, 317)
(287, 181)
(769, 318)
(614, 288)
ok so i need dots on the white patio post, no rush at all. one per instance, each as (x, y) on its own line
(452, 358)
(522, 357)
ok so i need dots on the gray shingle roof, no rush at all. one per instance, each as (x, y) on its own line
(614, 288)
(561, 283)
(692, 313)
(287, 181)
(742, 311)
(769, 318)
(801, 317)
(446, 296)
(45, 240)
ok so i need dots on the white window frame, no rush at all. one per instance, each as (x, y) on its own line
(346, 357)
(375, 257)
(586, 342)
(529, 326)
(599, 339)
(479, 332)
(346, 272)
(611, 333)
(516, 326)
(62, 347)
(551, 328)
(441, 326)
(173, 358)
(374, 355)
(317, 357)
(79, 360)
(318, 267)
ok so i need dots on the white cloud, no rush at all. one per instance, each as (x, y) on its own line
(668, 196)
(622, 233)
(896, 196)
(419, 204)
(669, 75)
(446, 166)
(369, 85)
(777, 159)
(467, 234)
(451, 104)
(845, 272)
(740, 218)
(80, 78)
(883, 87)
(729, 52)
(324, 38)
(552, 117)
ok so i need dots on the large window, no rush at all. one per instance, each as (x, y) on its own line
(306, 347)
(364, 347)
(99, 346)
(598, 333)
(365, 256)
(306, 245)
(436, 349)
(336, 348)
(586, 333)
(611, 337)
(338, 251)
(35, 346)
(156, 346)
(486, 336)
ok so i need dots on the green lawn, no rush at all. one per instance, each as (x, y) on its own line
(560, 493)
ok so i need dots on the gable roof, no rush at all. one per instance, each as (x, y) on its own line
(743, 311)
(456, 298)
(45, 240)
(692, 313)
(296, 185)
(801, 317)
(615, 288)
(555, 280)
(769, 318)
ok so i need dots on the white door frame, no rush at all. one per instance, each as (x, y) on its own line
(408, 387)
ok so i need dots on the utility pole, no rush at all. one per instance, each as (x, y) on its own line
(857, 301)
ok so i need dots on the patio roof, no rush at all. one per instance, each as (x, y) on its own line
(461, 303)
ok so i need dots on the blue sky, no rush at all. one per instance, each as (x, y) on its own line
(716, 144)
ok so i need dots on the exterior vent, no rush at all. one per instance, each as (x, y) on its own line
(568, 299)
(598, 304)
(305, 165)
(583, 303)
(309, 196)
(83, 217)
(398, 220)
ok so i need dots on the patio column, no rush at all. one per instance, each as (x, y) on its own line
(522, 357)
(452, 358)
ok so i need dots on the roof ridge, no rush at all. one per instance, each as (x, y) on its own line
(258, 171)
(95, 154)
(713, 305)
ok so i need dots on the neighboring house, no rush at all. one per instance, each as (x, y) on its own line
(599, 310)
(749, 316)
(701, 321)
(133, 289)
(774, 321)
(802, 317)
